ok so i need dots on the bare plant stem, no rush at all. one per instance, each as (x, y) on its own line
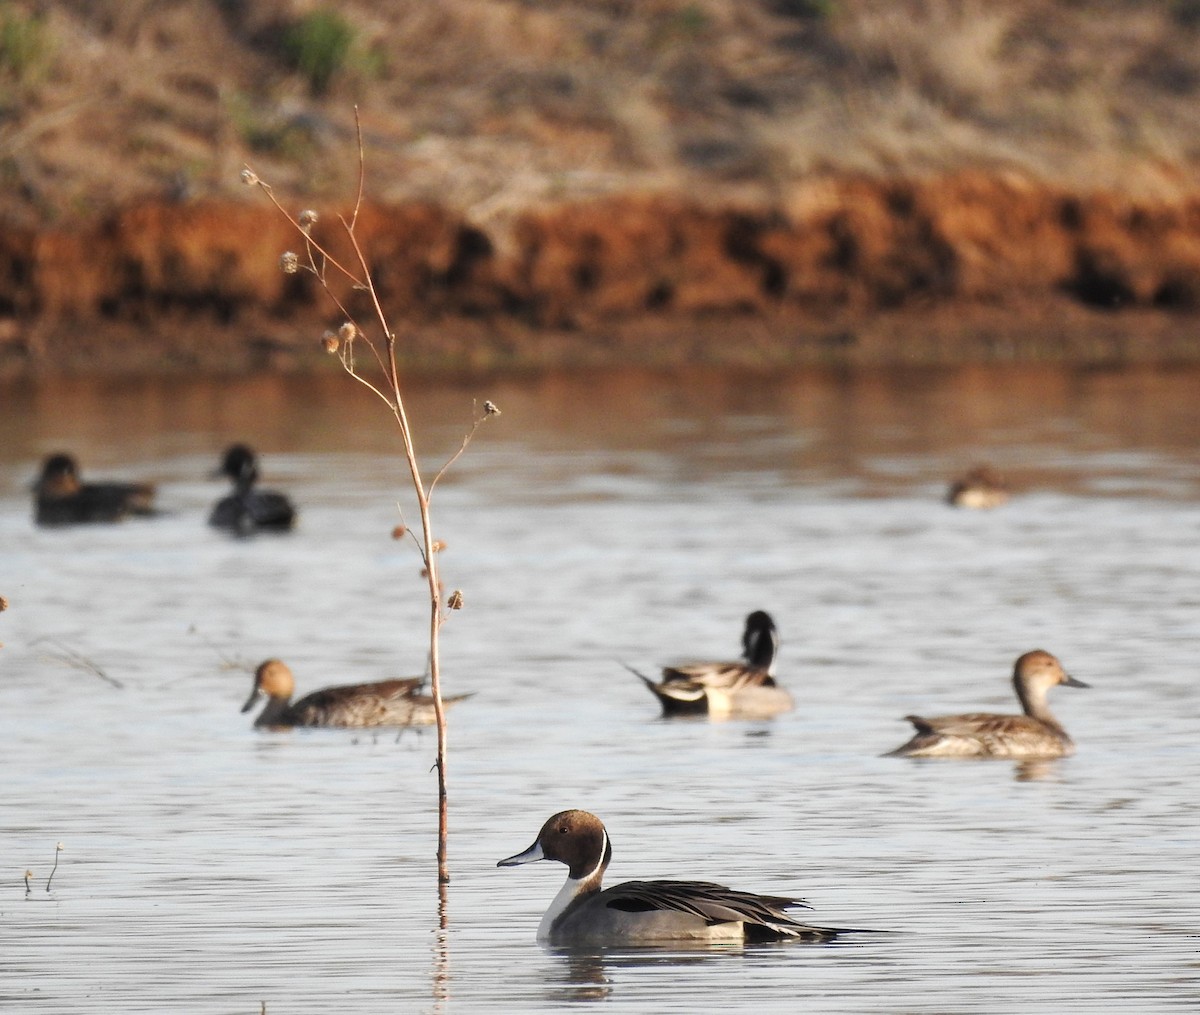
(57, 849)
(320, 262)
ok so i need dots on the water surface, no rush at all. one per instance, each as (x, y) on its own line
(606, 518)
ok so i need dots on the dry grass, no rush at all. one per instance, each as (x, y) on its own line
(493, 105)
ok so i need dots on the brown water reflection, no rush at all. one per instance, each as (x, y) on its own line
(962, 413)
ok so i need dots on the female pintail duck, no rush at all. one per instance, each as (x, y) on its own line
(647, 912)
(61, 498)
(249, 509)
(1036, 734)
(743, 689)
(982, 487)
(387, 703)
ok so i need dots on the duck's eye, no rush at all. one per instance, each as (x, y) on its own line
(563, 829)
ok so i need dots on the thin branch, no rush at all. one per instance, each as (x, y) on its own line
(389, 338)
(367, 384)
(489, 410)
(79, 661)
(227, 662)
(386, 360)
(362, 170)
(266, 189)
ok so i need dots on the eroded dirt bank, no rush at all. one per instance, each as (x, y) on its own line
(964, 267)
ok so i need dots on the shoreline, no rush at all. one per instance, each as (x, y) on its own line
(961, 268)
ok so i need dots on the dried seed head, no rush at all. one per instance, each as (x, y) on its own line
(490, 409)
(307, 218)
(3, 604)
(348, 332)
(399, 531)
(289, 263)
(455, 602)
(438, 546)
(59, 848)
(249, 177)
(330, 341)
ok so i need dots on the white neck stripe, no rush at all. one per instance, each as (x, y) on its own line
(599, 862)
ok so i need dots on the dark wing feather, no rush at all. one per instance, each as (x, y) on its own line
(271, 510)
(718, 676)
(96, 502)
(715, 903)
(257, 509)
(967, 724)
(358, 704)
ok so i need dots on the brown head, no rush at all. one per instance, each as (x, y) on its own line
(576, 838)
(60, 477)
(274, 679)
(1034, 674)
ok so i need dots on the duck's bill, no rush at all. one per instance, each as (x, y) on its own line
(533, 853)
(251, 700)
(1072, 682)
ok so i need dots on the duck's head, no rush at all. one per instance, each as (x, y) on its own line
(273, 679)
(576, 838)
(239, 464)
(1036, 672)
(760, 641)
(60, 476)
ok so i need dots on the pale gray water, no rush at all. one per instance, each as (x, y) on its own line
(209, 868)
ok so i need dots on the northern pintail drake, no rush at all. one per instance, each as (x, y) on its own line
(62, 498)
(1036, 734)
(249, 509)
(387, 703)
(744, 688)
(981, 488)
(648, 912)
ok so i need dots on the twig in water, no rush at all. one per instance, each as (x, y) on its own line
(28, 878)
(57, 849)
(79, 661)
(227, 662)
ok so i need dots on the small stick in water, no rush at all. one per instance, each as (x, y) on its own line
(57, 849)
(28, 877)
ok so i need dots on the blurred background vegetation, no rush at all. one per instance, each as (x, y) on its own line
(493, 106)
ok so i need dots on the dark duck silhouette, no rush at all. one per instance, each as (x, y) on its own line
(249, 509)
(62, 498)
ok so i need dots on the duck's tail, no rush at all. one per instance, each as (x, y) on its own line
(675, 696)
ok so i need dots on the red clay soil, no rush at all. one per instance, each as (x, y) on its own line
(970, 266)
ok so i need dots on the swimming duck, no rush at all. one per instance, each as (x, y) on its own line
(743, 689)
(982, 488)
(61, 498)
(247, 509)
(1036, 734)
(647, 912)
(387, 703)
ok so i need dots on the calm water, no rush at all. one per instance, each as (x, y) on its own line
(209, 868)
